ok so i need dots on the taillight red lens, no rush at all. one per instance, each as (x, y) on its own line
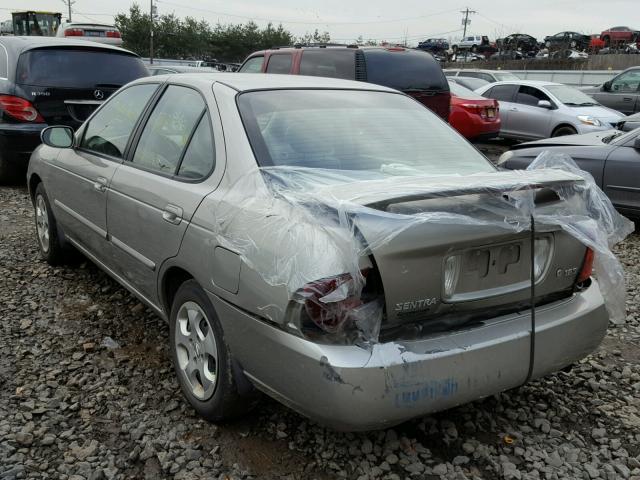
(20, 109)
(113, 34)
(328, 302)
(587, 266)
(74, 32)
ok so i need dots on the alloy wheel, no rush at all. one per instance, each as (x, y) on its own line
(196, 350)
(42, 223)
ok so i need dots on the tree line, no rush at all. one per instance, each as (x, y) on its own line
(189, 38)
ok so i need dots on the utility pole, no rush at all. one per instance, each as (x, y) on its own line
(69, 3)
(465, 20)
(151, 16)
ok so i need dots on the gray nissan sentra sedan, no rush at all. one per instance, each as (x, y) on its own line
(180, 187)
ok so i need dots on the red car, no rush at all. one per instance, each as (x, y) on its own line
(619, 36)
(596, 43)
(474, 116)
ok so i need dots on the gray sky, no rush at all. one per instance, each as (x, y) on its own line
(380, 20)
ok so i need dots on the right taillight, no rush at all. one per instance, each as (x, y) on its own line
(20, 109)
(113, 34)
(587, 266)
(74, 32)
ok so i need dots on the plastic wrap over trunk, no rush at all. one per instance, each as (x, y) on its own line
(342, 243)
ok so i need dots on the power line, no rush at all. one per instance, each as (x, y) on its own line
(300, 22)
(69, 4)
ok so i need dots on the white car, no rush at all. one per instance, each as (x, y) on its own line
(532, 110)
(95, 32)
(470, 42)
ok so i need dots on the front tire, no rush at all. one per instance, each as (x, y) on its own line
(201, 358)
(50, 246)
(564, 131)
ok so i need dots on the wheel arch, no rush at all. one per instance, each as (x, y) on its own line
(172, 278)
(563, 125)
(34, 180)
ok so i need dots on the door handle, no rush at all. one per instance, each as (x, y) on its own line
(627, 99)
(172, 214)
(100, 184)
(513, 109)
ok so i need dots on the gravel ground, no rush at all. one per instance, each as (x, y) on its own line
(74, 405)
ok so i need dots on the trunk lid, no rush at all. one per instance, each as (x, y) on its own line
(492, 263)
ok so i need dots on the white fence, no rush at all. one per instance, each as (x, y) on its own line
(576, 78)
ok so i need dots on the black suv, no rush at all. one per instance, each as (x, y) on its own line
(56, 81)
(413, 72)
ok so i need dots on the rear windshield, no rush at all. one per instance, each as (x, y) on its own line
(463, 92)
(77, 68)
(505, 76)
(354, 130)
(404, 70)
(329, 63)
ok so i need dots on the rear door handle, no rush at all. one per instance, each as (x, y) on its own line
(172, 214)
(100, 184)
(513, 109)
(627, 99)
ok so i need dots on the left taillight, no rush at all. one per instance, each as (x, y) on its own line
(338, 307)
(329, 302)
(74, 32)
(20, 109)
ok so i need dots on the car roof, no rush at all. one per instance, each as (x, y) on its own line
(17, 45)
(243, 82)
(531, 83)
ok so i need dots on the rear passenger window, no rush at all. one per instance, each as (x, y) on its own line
(253, 65)
(200, 157)
(109, 130)
(329, 63)
(279, 64)
(530, 96)
(502, 92)
(168, 130)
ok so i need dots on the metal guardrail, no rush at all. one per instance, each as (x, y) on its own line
(576, 78)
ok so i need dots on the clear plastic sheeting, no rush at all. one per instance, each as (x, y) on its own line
(335, 239)
(587, 214)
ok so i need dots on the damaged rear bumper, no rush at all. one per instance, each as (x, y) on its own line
(350, 388)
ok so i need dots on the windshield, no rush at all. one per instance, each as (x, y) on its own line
(622, 137)
(77, 68)
(570, 96)
(505, 76)
(354, 130)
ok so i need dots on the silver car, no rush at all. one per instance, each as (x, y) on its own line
(532, 110)
(291, 231)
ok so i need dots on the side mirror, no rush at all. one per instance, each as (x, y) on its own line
(607, 86)
(636, 143)
(545, 104)
(57, 136)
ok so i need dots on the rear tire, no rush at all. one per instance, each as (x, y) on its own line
(564, 131)
(49, 244)
(201, 358)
